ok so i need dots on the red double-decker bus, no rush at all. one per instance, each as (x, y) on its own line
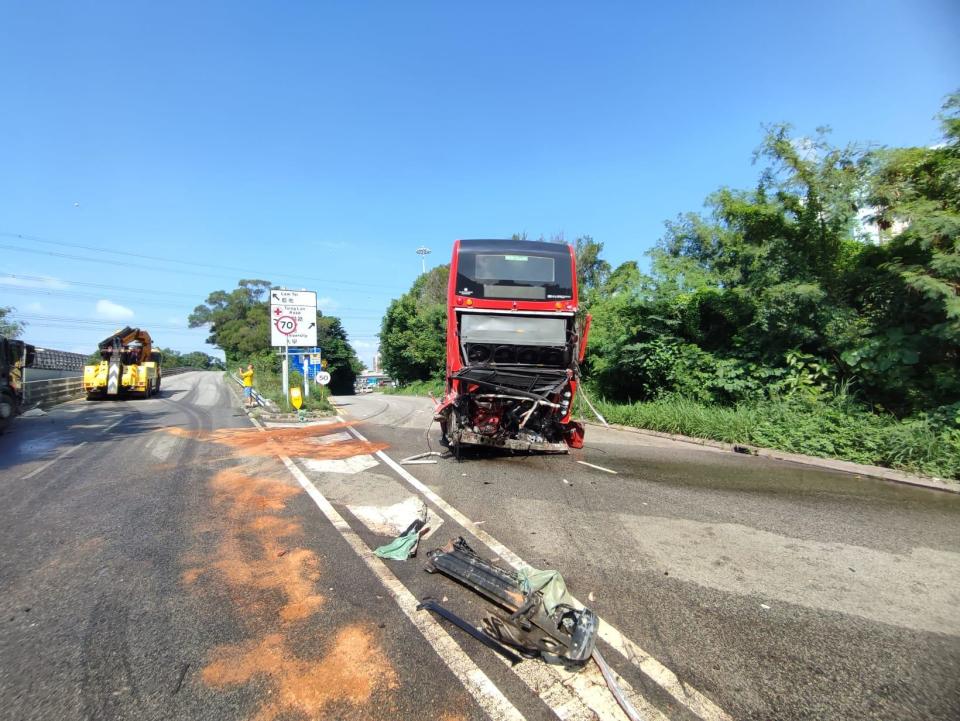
(513, 346)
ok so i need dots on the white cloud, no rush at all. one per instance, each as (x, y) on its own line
(113, 311)
(327, 305)
(34, 307)
(365, 344)
(34, 281)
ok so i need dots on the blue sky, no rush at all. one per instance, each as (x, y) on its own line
(318, 145)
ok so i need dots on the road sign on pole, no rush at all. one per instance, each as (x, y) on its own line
(293, 318)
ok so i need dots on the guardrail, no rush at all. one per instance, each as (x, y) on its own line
(50, 392)
(260, 400)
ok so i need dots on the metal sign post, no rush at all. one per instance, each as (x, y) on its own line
(322, 379)
(306, 375)
(286, 377)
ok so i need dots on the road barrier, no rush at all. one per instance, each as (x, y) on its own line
(50, 392)
(260, 400)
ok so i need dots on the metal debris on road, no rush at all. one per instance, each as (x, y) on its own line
(477, 633)
(544, 618)
(614, 687)
(420, 459)
(599, 468)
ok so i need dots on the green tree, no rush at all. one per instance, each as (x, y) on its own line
(342, 361)
(239, 323)
(909, 321)
(592, 270)
(8, 327)
(194, 359)
(413, 331)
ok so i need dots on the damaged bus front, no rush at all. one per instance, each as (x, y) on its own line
(513, 346)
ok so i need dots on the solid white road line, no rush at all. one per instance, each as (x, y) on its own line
(599, 468)
(690, 697)
(487, 695)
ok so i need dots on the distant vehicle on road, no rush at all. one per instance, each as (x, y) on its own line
(128, 365)
(15, 355)
(514, 346)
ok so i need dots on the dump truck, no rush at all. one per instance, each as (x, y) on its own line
(15, 355)
(129, 366)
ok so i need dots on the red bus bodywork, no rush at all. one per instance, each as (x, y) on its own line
(513, 346)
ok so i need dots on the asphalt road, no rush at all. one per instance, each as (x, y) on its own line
(165, 559)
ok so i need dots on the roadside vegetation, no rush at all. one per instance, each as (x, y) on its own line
(817, 312)
(195, 359)
(433, 387)
(174, 359)
(268, 381)
(238, 322)
(9, 326)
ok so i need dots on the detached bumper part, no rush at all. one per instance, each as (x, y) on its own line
(562, 628)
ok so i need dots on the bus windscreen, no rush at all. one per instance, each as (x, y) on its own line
(514, 276)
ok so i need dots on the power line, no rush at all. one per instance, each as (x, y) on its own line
(45, 320)
(154, 269)
(105, 286)
(342, 313)
(89, 296)
(192, 263)
(43, 317)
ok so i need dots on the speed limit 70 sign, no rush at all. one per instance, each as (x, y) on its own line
(293, 318)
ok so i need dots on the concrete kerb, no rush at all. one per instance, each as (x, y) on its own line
(859, 469)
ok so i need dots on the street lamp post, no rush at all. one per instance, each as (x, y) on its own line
(423, 252)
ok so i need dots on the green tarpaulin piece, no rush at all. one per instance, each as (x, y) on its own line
(400, 548)
(551, 586)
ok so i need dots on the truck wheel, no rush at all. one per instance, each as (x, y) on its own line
(7, 409)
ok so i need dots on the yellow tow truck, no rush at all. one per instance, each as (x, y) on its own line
(129, 366)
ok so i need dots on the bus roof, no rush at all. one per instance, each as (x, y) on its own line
(534, 246)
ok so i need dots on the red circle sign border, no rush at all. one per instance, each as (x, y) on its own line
(276, 323)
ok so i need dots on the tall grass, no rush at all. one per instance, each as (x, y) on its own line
(834, 427)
